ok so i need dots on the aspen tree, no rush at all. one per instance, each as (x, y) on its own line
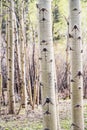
(47, 66)
(17, 48)
(22, 56)
(11, 99)
(68, 59)
(0, 48)
(76, 65)
(7, 41)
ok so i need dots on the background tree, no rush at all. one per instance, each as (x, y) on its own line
(11, 41)
(22, 54)
(0, 49)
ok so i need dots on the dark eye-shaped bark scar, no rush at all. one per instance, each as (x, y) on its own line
(9, 79)
(9, 59)
(70, 36)
(47, 101)
(45, 52)
(79, 74)
(77, 106)
(43, 10)
(79, 38)
(75, 9)
(43, 42)
(79, 88)
(43, 20)
(71, 49)
(75, 28)
(72, 80)
(51, 60)
(47, 112)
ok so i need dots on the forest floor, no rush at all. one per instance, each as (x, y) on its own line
(32, 120)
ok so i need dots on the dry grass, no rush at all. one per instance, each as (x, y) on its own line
(32, 120)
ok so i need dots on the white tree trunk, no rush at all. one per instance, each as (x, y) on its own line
(47, 66)
(11, 60)
(76, 66)
(22, 56)
(0, 49)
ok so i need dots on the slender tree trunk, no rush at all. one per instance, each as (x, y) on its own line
(0, 49)
(22, 51)
(11, 99)
(0, 54)
(68, 59)
(17, 48)
(76, 66)
(47, 66)
(7, 40)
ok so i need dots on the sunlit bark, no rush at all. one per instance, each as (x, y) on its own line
(76, 66)
(11, 59)
(22, 56)
(47, 66)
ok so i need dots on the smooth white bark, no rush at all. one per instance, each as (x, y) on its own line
(0, 48)
(22, 56)
(47, 65)
(76, 66)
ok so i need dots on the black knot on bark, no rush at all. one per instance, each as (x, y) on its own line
(43, 10)
(72, 80)
(47, 113)
(77, 106)
(79, 74)
(75, 9)
(47, 101)
(75, 28)
(44, 49)
(70, 36)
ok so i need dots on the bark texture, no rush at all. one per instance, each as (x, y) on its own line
(0, 49)
(22, 56)
(47, 66)
(76, 66)
(11, 99)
